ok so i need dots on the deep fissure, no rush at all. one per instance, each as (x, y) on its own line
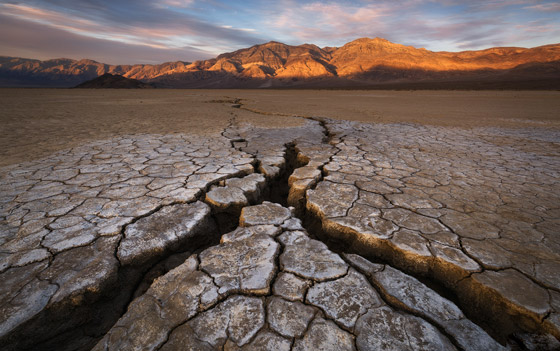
(132, 281)
(105, 314)
(276, 191)
(313, 225)
(497, 321)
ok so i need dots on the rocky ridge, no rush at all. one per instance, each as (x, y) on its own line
(360, 62)
(435, 240)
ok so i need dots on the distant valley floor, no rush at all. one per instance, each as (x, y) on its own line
(37, 122)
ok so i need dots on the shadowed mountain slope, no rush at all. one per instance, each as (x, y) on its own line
(361, 63)
(114, 81)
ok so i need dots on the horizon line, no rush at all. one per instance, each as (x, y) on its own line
(268, 42)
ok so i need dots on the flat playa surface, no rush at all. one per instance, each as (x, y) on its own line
(37, 122)
(442, 108)
(103, 191)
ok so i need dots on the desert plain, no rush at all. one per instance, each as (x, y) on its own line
(36, 122)
(279, 219)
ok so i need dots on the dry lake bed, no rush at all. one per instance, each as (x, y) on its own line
(279, 220)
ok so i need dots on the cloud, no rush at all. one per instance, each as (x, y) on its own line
(328, 21)
(169, 29)
(138, 23)
(175, 3)
(241, 29)
(546, 7)
(36, 40)
(538, 27)
(436, 24)
(494, 5)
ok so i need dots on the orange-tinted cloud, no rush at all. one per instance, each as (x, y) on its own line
(216, 26)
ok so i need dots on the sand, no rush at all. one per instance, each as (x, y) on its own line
(38, 122)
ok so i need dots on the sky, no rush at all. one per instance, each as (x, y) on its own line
(155, 31)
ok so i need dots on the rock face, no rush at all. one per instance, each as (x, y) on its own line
(357, 63)
(473, 211)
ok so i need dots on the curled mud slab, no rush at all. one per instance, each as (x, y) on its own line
(80, 228)
(465, 208)
(255, 291)
(422, 237)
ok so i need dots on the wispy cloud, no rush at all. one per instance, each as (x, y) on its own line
(210, 27)
(139, 23)
(325, 20)
(174, 3)
(241, 29)
(435, 24)
(35, 40)
(546, 7)
(81, 26)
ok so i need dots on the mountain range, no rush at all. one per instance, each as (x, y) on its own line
(361, 63)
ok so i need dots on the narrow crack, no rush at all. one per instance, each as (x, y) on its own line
(312, 222)
(389, 300)
(131, 279)
(317, 225)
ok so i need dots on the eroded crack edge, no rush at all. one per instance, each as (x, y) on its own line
(129, 278)
(462, 296)
(297, 158)
(529, 323)
(328, 136)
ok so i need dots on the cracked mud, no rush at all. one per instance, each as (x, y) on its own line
(396, 237)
